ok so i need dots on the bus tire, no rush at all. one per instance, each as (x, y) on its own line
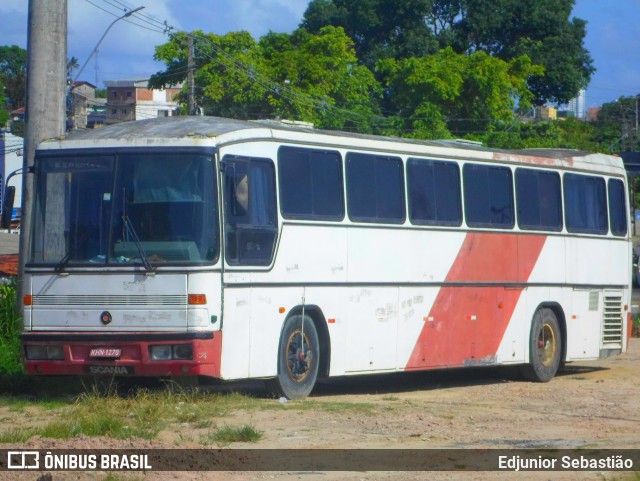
(545, 347)
(298, 361)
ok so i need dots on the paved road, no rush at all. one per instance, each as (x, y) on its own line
(9, 243)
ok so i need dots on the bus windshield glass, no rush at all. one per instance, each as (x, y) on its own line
(148, 209)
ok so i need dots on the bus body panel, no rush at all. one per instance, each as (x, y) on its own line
(391, 296)
(127, 313)
(136, 302)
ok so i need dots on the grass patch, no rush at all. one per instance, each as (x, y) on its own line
(98, 409)
(117, 477)
(367, 409)
(229, 434)
(15, 436)
(10, 329)
(19, 404)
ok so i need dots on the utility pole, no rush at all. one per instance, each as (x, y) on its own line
(191, 100)
(46, 100)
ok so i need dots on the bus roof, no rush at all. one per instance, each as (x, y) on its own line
(217, 131)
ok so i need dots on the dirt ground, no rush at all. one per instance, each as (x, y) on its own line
(594, 404)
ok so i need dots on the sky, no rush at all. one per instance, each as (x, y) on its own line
(613, 28)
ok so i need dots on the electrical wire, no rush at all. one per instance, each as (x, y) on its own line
(231, 62)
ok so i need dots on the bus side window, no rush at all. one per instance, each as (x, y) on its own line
(250, 210)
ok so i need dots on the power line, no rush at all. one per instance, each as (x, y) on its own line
(231, 62)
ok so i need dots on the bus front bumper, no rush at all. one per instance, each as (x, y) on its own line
(123, 353)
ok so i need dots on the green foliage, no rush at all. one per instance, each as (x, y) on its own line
(616, 124)
(229, 72)
(381, 29)
(324, 83)
(450, 92)
(540, 29)
(425, 69)
(313, 78)
(569, 134)
(507, 29)
(17, 128)
(17, 435)
(229, 434)
(4, 115)
(72, 66)
(13, 74)
(10, 328)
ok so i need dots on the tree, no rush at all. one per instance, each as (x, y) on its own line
(13, 73)
(379, 28)
(540, 29)
(4, 115)
(569, 134)
(457, 93)
(324, 83)
(506, 29)
(616, 124)
(72, 66)
(306, 77)
(229, 72)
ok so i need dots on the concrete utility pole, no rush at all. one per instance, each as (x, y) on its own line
(46, 101)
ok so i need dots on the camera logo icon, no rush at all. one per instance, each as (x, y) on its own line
(23, 460)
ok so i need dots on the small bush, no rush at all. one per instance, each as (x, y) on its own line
(243, 434)
(10, 329)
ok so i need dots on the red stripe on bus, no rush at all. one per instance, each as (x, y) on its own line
(466, 324)
(532, 159)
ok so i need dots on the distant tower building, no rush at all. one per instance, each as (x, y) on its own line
(578, 106)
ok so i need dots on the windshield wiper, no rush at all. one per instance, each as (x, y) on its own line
(59, 267)
(62, 263)
(132, 232)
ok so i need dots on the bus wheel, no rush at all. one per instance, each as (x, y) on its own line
(298, 358)
(545, 347)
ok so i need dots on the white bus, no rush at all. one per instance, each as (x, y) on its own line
(195, 246)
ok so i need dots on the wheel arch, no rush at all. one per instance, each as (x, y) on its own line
(320, 321)
(562, 323)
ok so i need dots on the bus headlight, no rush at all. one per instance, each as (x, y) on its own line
(166, 352)
(36, 353)
(182, 351)
(53, 352)
(160, 353)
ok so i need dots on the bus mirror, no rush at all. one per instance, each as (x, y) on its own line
(7, 206)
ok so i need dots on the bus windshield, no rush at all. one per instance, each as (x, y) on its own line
(134, 208)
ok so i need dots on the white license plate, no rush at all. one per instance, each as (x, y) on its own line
(105, 352)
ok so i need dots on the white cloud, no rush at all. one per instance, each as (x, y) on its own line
(126, 50)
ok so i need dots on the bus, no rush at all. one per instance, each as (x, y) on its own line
(217, 248)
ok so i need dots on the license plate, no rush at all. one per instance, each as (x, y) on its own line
(103, 352)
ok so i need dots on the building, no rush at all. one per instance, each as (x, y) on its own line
(17, 114)
(133, 100)
(577, 107)
(546, 113)
(592, 114)
(81, 102)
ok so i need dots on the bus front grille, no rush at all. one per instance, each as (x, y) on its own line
(110, 300)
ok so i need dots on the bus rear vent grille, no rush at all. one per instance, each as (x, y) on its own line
(100, 301)
(612, 325)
